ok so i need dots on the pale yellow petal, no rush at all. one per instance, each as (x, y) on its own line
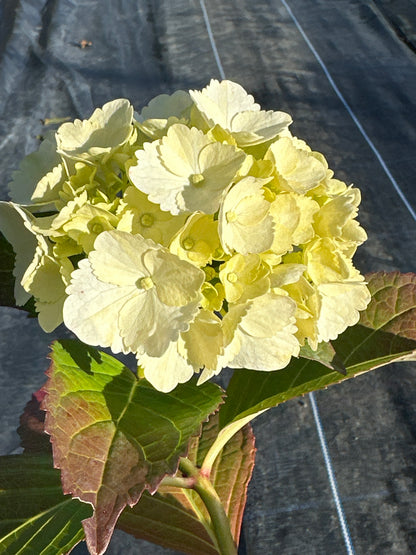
(198, 240)
(340, 304)
(245, 224)
(92, 308)
(163, 111)
(107, 128)
(204, 341)
(256, 127)
(297, 169)
(166, 371)
(151, 177)
(39, 175)
(219, 102)
(117, 257)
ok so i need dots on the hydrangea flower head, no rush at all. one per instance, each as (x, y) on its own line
(197, 234)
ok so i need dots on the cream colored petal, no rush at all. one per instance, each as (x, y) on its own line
(218, 164)
(151, 177)
(244, 221)
(162, 111)
(146, 324)
(219, 102)
(39, 176)
(177, 281)
(284, 274)
(286, 217)
(252, 128)
(266, 334)
(92, 308)
(164, 106)
(340, 306)
(180, 149)
(43, 278)
(107, 128)
(50, 314)
(138, 215)
(327, 263)
(266, 354)
(166, 371)
(117, 258)
(352, 232)
(244, 277)
(269, 314)
(298, 169)
(333, 216)
(48, 187)
(204, 341)
(198, 240)
(307, 209)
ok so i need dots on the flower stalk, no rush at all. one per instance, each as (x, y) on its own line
(219, 519)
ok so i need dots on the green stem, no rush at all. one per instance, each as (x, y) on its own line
(178, 482)
(219, 519)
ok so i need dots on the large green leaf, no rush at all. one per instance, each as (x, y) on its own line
(386, 333)
(176, 518)
(113, 434)
(35, 517)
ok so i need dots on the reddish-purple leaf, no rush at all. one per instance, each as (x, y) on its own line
(172, 517)
(114, 435)
(393, 303)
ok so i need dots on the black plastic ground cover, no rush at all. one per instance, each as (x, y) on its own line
(365, 50)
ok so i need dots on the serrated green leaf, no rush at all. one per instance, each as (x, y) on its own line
(164, 520)
(176, 518)
(35, 516)
(114, 435)
(386, 333)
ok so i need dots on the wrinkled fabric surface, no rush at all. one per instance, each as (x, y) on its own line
(346, 71)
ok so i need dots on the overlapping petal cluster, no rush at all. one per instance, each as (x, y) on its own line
(197, 234)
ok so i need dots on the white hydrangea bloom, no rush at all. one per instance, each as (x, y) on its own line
(224, 240)
(186, 171)
(169, 369)
(163, 111)
(297, 169)
(107, 128)
(245, 223)
(39, 177)
(227, 104)
(198, 347)
(263, 337)
(340, 304)
(132, 295)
